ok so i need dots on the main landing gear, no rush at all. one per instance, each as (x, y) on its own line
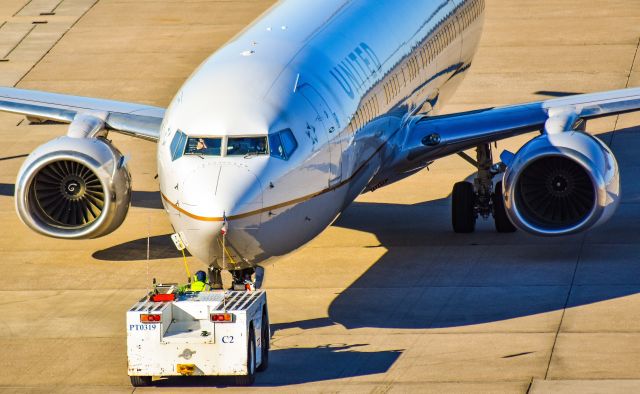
(471, 200)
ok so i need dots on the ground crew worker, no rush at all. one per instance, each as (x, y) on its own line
(199, 283)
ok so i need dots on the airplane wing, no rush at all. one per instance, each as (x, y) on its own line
(433, 137)
(136, 120)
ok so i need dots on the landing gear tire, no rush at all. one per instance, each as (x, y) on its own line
(266, 342)
(463, 215)
(250, 377)
(501, 220)
(140, 381)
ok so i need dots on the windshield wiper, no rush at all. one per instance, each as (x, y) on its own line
(249, 155)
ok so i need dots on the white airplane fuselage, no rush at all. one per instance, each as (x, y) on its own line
(345, 77)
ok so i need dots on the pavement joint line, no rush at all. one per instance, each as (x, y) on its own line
(566, 303)
(633, 62)
(23, 7)
(530, 385)
(33, 27)
(57, 41)
(13, 157)
(54, 9)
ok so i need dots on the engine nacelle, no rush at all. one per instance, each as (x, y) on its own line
(74, 188)
(561, 183)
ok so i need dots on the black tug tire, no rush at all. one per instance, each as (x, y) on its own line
(140, 381)
(500, 218)
(463, 216)
(266, 342)
(250, 377)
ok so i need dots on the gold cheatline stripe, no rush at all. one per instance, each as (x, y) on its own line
(286, 203)
(257, 211)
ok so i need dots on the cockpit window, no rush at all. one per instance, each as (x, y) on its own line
(203, 146)
(244, 146)
(177, 145)
(283, 144)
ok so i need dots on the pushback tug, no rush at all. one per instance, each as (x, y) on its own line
(210, 333)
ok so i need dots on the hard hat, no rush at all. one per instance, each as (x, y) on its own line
(201, 276)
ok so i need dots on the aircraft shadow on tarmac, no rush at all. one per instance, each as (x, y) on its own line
(160, 247)
(7, 190)
(431, 278)
(555, 93)
(323, 363)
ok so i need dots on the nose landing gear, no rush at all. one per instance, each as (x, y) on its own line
(242, 279)
(471, 200)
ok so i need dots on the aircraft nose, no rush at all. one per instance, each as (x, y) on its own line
(215, 190)
(211, 192)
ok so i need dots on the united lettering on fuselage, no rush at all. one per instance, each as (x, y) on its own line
(356, 68)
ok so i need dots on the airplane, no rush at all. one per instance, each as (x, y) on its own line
(313, 104)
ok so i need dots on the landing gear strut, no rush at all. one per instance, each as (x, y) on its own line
(215, 277)
(471, 200)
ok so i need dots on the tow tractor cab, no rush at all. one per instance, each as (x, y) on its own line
(209, 333)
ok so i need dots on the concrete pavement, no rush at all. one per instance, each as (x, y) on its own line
(388, 299)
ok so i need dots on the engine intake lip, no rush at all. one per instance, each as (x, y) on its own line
(556, 194)
(39, 219)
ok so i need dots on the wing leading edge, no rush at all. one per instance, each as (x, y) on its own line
(136, 120)
(433, 137)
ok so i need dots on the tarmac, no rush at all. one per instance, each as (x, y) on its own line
(388, 299)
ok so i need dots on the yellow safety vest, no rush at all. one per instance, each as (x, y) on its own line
(198, 286)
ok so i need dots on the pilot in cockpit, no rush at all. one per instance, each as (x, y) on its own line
(201, 145)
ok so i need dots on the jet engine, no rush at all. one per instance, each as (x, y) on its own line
(561, 183)
(74, 188)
